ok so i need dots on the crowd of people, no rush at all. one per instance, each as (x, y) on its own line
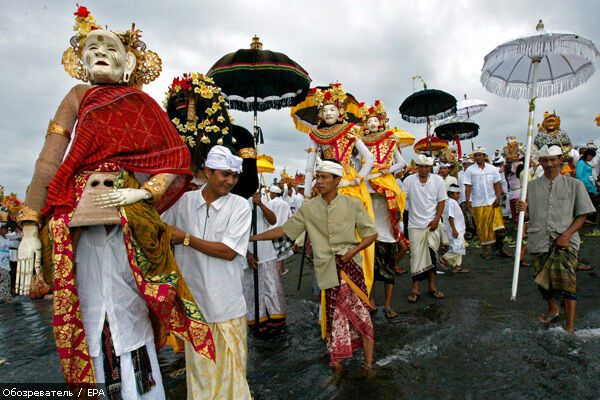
(151, 237)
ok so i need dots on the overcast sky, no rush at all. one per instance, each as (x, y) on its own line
(372, 47)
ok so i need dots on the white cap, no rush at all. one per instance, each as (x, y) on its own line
(274, 189)
(498, 160)
(220, 157)
(454, 188)
(330, 167)
(424, 160)
(481, 150)
(445, 165)
(546, 151)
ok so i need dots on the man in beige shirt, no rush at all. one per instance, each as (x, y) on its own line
(331, 221)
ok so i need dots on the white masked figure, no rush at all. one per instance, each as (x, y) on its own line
(99, 208)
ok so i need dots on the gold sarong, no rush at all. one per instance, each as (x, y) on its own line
(488, 219)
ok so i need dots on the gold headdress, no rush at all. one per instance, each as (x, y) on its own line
(548, 116)
(217, 119)
(148, 63)
(377, 110)
(335, 95)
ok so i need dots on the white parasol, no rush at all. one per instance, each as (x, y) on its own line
(466, 108)
(541, 65)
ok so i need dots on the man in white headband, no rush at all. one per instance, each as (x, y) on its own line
(211, 228)
(483, 196)
(426, 195)
(331, 221)
(559, 206)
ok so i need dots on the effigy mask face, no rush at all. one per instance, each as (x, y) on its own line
(330, 114)
(105, 58)
(373, 124)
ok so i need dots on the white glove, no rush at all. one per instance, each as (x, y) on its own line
(121, 197)
(30, 257)
(344, 183)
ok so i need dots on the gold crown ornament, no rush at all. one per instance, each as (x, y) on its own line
(148, 63)
(377, 110)
(335, 95)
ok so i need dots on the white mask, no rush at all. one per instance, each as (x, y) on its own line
(105, 58)
(330, 114)
(373, 124)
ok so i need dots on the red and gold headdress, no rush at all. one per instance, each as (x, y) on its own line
(377, 110)
(335, 95)
(148, 63)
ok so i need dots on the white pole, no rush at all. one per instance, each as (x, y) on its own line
(523, 196)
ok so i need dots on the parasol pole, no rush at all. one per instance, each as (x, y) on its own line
(302, 260)
(523, 197)
(254, 229)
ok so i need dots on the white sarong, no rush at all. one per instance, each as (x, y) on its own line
(421, 240)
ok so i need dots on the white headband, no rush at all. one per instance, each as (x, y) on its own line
(481, 150)
(274, 189)
(546, 151)
(330, 167)
(424, 160)
(220, 157)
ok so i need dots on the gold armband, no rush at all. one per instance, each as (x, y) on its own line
(54, 128)
(156, 185)
(247, 152)
(26, 214)
(311, 150)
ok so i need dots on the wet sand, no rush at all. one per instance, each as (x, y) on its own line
(476, 343)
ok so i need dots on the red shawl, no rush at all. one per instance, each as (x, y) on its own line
(124, 126)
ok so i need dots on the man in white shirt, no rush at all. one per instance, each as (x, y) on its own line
(283, 212)
(500, 163)
(298, 197)
(426, 198)
(483, 193)
(469, 223)
(271, 298)
(211, 230)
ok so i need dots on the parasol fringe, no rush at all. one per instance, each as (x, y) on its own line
(546, 44)
(543, 88)
(264, 104)
(421, 120)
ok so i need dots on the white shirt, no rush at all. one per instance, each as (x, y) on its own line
(4, 253)
(482, 182)
(107, 288)
(452, 209)
(215, 283)
(15, 240)
(289, 199)
(461, 183)
(298, 199)
(382, 219)
(423, 199)
(281, 209)
(449, 180)
(266, 251)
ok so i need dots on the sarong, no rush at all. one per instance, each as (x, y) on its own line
(556, 270)
(345, 314)
(4, 285)
(488, 219)
(422, 243)
(224, 378)
(272, 305)
(385, 261)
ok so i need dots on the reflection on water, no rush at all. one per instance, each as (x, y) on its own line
(458, 349)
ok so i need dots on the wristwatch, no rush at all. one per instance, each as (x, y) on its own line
(186, 239)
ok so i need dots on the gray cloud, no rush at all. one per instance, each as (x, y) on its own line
(373, 48)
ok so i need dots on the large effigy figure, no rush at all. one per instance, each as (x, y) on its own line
(103, 241)
(336, 139)
(550, 134)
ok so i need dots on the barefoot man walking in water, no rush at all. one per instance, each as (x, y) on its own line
(559, 205)
(331, 221)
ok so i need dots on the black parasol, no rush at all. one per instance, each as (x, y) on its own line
(457, 131)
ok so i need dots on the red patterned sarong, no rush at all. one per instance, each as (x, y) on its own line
(347, 313)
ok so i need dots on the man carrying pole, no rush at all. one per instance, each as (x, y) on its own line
(558, 206)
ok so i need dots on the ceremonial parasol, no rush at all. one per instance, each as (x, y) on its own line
(264, 163)
(403, 138)
(430, 144)
(427, 105)
(466, 108)
(258, 80)
(541, 65)
(306, 113)
(457, 130)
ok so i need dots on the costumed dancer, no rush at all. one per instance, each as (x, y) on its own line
(483, 194)
(125, 267)
(272, 303)
(426, 196)
(557, 207)
(336, 139)
(387, 197)
(330, 221)
(455, 230)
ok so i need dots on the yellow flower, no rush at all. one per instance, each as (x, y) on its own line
(220, 141)
(220, 118)
(205, 139)
(206, 92)
(176, 121)
(225, 130)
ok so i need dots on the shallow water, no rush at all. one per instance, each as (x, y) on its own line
(459, 349)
